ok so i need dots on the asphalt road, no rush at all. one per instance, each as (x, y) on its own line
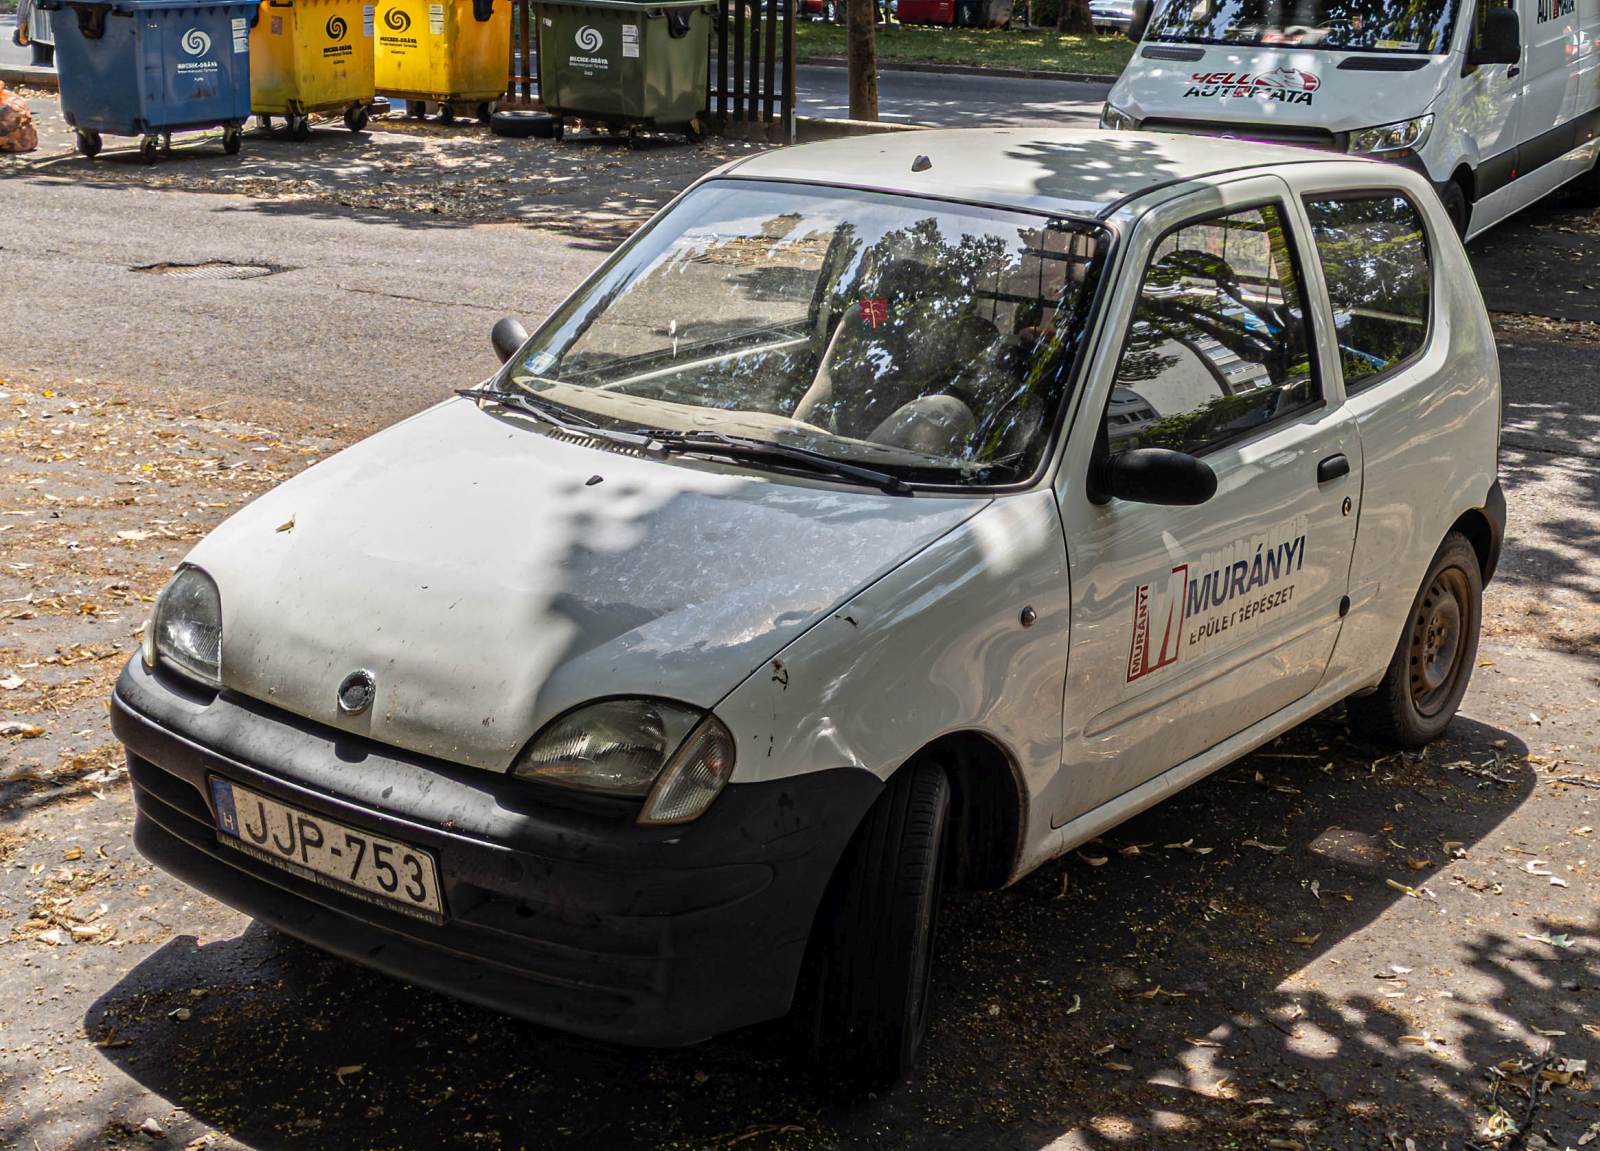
(951, 101)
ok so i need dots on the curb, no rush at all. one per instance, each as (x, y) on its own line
(969, 70)
(16, 75)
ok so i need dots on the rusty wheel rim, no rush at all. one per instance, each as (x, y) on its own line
(1438, 641)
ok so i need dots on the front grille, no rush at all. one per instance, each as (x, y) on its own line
(1319, 138)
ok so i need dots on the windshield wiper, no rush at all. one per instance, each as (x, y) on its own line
(747, 448)
(560, 420)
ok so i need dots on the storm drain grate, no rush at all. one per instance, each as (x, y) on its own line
(212, 270)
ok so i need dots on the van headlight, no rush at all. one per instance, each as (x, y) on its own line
(1114, 119)
(676, 758)
(1387, 139)
(186, 630)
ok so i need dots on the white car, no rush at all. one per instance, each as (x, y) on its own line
(1497, 103)
(887, 512)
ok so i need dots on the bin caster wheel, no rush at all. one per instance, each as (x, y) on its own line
(557, 129)
(166, 143)
(149, 147)
(356, 118)
(231, 140)
(89, 143)
(694, 131)
(416, 109)
(635, 141)
(447, 114)
(264, 123)
(299, 127)
(485, 112)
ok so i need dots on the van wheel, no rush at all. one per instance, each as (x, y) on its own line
(1433, 664)
(872, 948)
(1456, 207)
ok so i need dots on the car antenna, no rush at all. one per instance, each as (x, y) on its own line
(921, 164)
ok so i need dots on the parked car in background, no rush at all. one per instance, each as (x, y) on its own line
(1114, 16)
(1497, 105)
(33, 30)
(886, 513)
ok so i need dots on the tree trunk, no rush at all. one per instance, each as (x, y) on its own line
(863, 58)
(1074, 17)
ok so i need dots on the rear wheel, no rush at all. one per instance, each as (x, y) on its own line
(1432, 665)
(872, 948)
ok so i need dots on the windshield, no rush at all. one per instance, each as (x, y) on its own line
(1421, 26)
(930, 340)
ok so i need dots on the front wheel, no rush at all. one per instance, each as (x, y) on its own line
(872, 948)
(1456, 207)
(1433, 663)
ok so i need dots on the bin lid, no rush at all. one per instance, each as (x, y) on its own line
(630, 5)
(128, 7)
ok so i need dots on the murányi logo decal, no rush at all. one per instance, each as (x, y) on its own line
(1227, 592)
(196, 42)
(589, 39)
(336, 28)
(1289, 85)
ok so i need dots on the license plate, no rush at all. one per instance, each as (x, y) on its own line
(368, 866)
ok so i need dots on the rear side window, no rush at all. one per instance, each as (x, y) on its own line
(1218, 344)
(1375, 258)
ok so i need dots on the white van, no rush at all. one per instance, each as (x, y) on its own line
(1498, 105)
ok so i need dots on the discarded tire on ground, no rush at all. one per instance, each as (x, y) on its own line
(521, 125)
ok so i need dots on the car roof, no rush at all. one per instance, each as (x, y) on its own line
(1073, 171)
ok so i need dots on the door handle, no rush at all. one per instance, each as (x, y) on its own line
(1332, 468)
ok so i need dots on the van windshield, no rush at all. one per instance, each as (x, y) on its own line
(1420, 26)
(930, 340)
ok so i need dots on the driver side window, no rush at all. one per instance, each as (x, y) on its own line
(1218, 345)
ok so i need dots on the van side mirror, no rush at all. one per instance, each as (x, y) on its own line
(507, 337)
(1152, 476)
(1499, 40)
(1140, 20)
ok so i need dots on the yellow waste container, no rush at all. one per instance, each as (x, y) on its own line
(448, 53)
(312, 56)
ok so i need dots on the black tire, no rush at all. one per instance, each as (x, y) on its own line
(694, 131)
(486, 113)
(1432, 664)
(872, 947)
(264, 123)
(149, 148)
(300, 127)
(1586, 189)
(447, 114)
(89, 143)
(356, 118)
(1456, 207)
(558, 129)
(43, 55)
(231, 140)
(520, 125)
(416, 109)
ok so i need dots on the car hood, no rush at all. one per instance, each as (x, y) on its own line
(491, 576)
(1295, 88)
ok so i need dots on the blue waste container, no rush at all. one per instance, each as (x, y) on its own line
(149, 68)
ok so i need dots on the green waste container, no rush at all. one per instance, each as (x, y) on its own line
(625, 65)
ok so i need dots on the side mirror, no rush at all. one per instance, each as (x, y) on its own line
(507, 337)
(1152, 476)
(1499, 40)
(1140, 20)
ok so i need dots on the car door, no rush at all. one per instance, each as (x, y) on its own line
(1189, 624)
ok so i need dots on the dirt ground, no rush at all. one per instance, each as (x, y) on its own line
(1325, 946)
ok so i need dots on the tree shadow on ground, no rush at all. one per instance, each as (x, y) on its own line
(1164, 996)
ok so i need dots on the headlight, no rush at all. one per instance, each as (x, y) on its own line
(1406, 136)
(1115, 119)
(187, 629)
(674, 757)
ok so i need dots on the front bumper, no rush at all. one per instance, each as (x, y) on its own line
(581, 920)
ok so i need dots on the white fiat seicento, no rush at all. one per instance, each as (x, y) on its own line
(885, 513)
